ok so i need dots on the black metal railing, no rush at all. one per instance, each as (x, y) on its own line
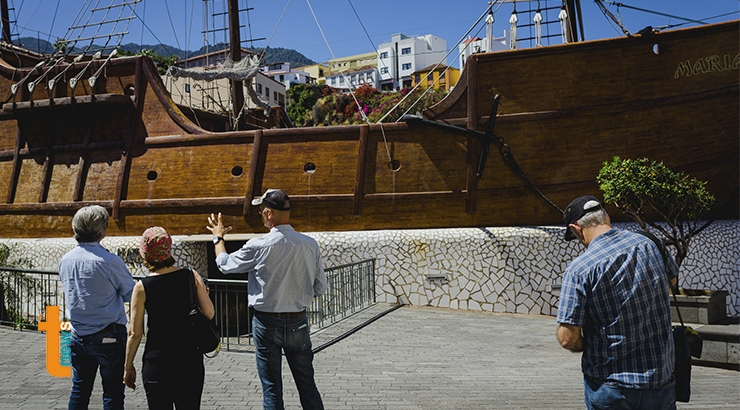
(25, 293)
(351, 287)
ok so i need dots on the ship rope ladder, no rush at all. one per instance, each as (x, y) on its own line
(100, 18)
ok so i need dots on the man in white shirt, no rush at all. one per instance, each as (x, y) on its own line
(285, 275)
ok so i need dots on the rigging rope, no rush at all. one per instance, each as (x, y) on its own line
(512, 29)
(538, 26)
(167, 7)
(563, 17)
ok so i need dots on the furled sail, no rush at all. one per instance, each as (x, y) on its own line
(242, 70)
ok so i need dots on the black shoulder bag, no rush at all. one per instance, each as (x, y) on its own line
(205, 331)
(687, 342)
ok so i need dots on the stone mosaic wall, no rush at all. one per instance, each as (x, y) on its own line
(486, 269)
(45, 254)
(508, 269)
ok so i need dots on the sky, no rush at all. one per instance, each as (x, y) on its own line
(291, 23)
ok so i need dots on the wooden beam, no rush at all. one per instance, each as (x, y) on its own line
(48, 169)
(83, 165)
(474, 144)
(168, 205)
(124, 170)
(16, 168)
(252, 176)
(360, 175)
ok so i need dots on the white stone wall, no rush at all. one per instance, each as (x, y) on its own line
(486, 269)
(508, 269)
(45, 254)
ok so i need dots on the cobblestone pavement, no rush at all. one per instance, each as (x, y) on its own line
(409, 358)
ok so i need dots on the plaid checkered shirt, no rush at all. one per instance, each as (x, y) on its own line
(617, 292)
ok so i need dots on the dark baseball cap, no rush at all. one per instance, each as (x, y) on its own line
(274, 199)
(577, 209)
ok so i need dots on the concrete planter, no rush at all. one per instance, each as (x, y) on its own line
(700, 306)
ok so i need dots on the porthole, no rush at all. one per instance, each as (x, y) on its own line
(152, 175)
(237, 171)
(657, 49)
(309, 168)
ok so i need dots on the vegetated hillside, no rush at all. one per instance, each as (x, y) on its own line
(272, 55)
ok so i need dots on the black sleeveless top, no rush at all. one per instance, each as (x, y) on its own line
(168, 304)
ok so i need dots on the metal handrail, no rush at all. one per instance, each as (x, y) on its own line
(24, 294)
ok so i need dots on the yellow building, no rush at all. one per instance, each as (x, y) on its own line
(441, 78)
(317, 72)
(352, 63)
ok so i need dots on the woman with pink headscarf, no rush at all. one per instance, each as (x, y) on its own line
(172, 370)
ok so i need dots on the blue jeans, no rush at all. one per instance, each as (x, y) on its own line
(602, 395)
(106, 350)
(272, 336)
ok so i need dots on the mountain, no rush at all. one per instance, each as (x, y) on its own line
(272, 55)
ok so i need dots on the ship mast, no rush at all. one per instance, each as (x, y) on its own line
(574, 9)
(5, 20)
(235, 48)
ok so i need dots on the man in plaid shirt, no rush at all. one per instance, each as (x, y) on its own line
(615, 308)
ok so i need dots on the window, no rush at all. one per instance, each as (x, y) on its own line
(267, 92)
(384, 54)
(430, 77)
(274, 95)
(282, 78)
(406, 66)
(406, 50)
(334, 81)
(341, 80)
(418, 78)
(259, 88)
(384, 70)
(442, 75)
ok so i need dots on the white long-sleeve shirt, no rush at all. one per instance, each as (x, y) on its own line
(284, 267)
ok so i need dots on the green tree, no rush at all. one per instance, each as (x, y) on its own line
(301, 99)
(61, 45)
(647, 191)
(162, 63)
(338, 107)
(13, 285)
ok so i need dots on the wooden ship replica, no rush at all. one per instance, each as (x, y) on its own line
(523, 132)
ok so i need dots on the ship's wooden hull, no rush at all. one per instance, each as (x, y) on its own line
(564, 110)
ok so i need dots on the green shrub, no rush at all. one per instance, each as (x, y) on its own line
(646, 190)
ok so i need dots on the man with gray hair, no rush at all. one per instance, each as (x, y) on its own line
(614, 307)
(96, 284)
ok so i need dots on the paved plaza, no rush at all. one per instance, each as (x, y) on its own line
(409, 358)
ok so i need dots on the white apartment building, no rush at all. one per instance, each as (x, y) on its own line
(404, 55)
(482, 45)
(353, 79)
(282, 73)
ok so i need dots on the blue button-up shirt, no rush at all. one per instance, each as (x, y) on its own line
(96, 284)
(285, 270)
(617, 293)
